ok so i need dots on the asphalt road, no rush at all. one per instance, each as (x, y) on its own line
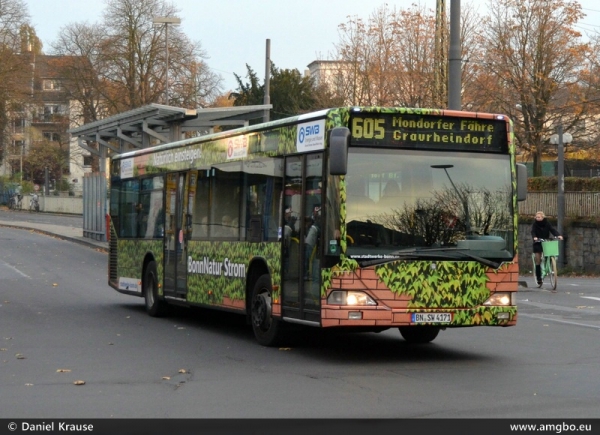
(60, 323)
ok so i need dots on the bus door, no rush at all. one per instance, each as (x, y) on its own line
(179, 203)
(301, 277)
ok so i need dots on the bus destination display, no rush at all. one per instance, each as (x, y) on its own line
(422, 131)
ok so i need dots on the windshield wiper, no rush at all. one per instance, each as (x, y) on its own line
(415, 254)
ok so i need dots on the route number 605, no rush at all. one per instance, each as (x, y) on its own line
(368, 128)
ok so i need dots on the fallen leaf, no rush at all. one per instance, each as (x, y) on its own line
(55, 285)
(29, 385)
(3, 349)
(166, 378)
(63, 371)
(183, 371)
(79, 383)
(20, 356)
(285, 348)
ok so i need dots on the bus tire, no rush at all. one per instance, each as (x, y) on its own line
(419, 334)
(267, 330)
(155, 306)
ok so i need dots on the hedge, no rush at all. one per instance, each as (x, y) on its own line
(572, 184)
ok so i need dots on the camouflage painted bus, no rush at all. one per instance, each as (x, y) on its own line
(363, 218)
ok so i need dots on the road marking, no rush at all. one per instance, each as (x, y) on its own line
(591, 297)
(16, 270)
(533, 316)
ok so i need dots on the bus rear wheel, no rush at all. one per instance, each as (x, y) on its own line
(419, 334)
(155, 306)
(267, 330)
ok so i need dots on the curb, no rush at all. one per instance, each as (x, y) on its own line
(59, 236)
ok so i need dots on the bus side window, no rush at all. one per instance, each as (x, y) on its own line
(225, 201)
(128, 203)
(262, 194)
(200, 227)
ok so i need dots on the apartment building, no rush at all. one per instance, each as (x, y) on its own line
(43, 119)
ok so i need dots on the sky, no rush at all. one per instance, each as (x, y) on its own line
(233, 33)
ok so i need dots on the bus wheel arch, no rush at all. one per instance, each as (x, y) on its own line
(419, 334)
(155, 305)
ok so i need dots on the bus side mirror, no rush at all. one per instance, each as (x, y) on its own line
(339, 140)
(521, 182)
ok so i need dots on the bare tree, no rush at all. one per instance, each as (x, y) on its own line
(533, 65)
(390, 58)
(14, 66)
(78, 42)
(125, 59)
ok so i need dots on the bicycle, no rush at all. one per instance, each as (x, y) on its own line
(15, 202)
(34, 203)
(548, 262)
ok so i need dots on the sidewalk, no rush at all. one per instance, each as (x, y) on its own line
(61, 231)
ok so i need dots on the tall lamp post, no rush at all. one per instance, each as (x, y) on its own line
(166, 21)
(560, 139)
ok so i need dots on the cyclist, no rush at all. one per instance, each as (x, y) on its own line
(541, 229)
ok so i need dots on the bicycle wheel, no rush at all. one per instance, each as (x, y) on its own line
(553, 273)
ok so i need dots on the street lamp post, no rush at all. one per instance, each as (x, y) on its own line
(560, 139)
(22, 146)
(166, 21)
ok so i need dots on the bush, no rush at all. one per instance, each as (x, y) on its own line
(572, 184)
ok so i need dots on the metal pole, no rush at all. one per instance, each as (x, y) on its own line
(46, 182)
(454, 57)
(561, 194)
(167, 63)
(267, 98)
(166, 21)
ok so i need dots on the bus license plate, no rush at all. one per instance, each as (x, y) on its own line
(431, 317)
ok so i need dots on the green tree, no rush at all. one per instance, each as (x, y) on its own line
(290, 93)
(251, 93)
(42, 157)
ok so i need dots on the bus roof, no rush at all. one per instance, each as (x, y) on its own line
(324, 113)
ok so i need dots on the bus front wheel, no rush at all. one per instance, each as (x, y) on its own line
(419, 334)
(267, 329)
(155, 306)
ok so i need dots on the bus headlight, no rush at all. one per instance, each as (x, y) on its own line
(340, 297)
(504, 299)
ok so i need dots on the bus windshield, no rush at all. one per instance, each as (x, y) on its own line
(428, 201)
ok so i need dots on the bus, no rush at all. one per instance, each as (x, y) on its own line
(356, 218)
